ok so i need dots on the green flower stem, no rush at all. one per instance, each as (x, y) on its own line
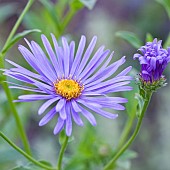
(14, 29)
(61, 7)
(67, 20)
(49, 6)
(5, 85)
(126, 131)
(17, 118)
(129, 142)
(25, 154)
(63, 148)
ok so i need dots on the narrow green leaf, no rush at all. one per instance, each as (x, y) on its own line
(18, 36)
(8, 154)
(27, 168)
(89, 3)
(21, 168)
(46, 163)
(124, 162)
(130, 37)
(31, 166)
(52, 11)
(128, 154)
(61, 7)
(149, 37)
(124, 165)
(31, 19)
(166, 5)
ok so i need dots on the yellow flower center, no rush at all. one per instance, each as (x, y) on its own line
(68, 88)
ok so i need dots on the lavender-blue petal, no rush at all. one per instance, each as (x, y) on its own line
(87, 55)
(60, 104)
(89, 116)
(47, 104)
(68, 123)
(78, 56)
(63, 114)
(59, 126)
(47, 117)
(76, 117)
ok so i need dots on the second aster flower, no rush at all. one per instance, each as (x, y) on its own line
(72, 82)
(153, 59)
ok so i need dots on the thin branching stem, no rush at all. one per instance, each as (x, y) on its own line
(5, 85)
(132, 138)
(31, 159)
(63, 148)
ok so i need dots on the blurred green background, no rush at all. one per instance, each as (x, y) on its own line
(91, 146)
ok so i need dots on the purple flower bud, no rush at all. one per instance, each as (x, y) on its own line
(153, 59)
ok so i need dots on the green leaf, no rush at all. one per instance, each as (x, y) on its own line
(61, 7)
(130, 37)
(32, 19)
(18, 36)
(31, 166)
(89, 3)
(46, 163)
(21, 168)
(123, 165)
(6, 10)
(83, 157)
(167, 42)
(8, 155)
(149, 37)
(76, 5)
(128, 154)
(124, 161)
(52, 11)
(140, 103)
(166, 5)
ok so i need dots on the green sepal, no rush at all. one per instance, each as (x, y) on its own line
(62, 136)
(142, 92)
(147, 87)
(130, 37)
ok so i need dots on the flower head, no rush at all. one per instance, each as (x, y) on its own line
(153, 60)
(71, 82)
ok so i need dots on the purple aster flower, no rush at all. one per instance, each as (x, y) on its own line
(153, 59)
(71, 81)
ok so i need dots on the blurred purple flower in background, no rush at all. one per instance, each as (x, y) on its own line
(153, 59)
(71, 81)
